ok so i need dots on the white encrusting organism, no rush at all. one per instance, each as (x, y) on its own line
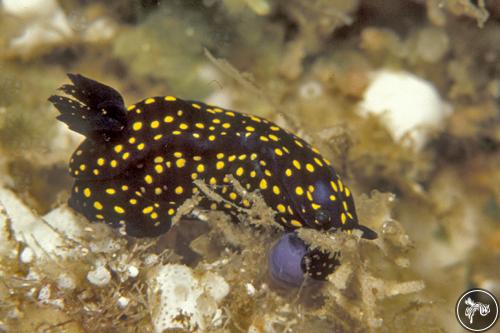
(408, 104)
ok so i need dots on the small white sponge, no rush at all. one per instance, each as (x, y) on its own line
(182, 300)
(408, 103)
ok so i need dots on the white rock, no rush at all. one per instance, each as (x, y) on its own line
(44, 236)
(132, 271)
(123, 302)
(151, 259)
(28, 227)
(407, 103)
(27, 255)
(44, 294)
(176, 292)
(64, 220)
(250, 289)
(99, 276)
(65, 281)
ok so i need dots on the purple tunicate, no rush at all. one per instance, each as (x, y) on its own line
(285, 260)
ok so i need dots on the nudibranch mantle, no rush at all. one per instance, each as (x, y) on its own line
(137, 165)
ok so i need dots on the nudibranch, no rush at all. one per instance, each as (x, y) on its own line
(138, 164)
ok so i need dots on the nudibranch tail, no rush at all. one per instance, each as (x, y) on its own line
(96, 110)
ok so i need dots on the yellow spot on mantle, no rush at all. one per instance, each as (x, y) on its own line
(276, 190)
(119, 210)
(299, 190)
(118, 148)
(296, 164)
(180, 163)
(334, 186)
(137, 126)
(273, 137)
(158, 168)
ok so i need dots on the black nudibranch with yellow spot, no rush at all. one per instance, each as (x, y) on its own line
(137, 164)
